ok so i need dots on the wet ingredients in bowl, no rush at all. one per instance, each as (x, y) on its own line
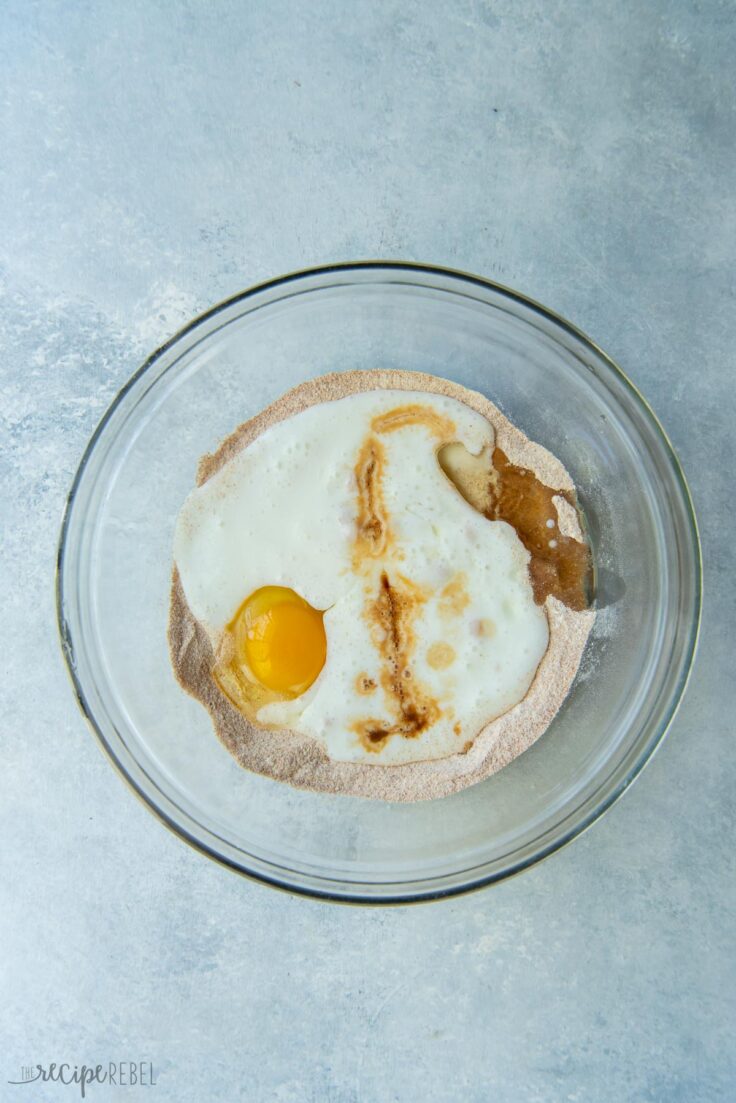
(381, 588)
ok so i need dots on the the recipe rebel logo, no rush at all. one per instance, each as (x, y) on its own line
(120, 1074)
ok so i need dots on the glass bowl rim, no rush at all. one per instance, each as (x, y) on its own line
(602, 805)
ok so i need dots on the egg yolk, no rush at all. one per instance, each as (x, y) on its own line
(281, 638)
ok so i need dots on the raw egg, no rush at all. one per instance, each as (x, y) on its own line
(281, 638)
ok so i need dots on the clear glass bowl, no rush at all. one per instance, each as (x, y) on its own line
(115, 563)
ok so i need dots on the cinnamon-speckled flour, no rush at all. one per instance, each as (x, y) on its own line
(300, 760)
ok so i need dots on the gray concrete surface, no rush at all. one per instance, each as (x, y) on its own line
(156, 157)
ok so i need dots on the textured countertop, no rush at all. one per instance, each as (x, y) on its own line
(157, 157)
